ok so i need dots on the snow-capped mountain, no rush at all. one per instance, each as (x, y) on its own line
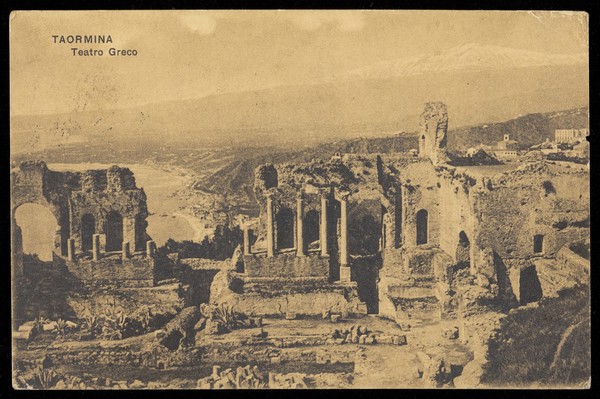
(465, 58)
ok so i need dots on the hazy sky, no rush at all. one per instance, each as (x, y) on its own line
(188, 54)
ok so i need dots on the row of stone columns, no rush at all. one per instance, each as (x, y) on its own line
(96, 254)
(345, 270)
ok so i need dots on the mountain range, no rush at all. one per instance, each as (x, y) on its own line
(480, 84)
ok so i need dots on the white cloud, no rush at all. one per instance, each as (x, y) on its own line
(200, 23)
(347, 21)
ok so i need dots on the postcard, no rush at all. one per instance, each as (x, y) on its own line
(300, 199)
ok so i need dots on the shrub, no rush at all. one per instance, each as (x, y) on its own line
(45, 377)
(116, 323)
(61, 327)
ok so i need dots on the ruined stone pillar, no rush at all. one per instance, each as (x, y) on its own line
(125, 250)
(246, 240)
(96, 247)
(71, 249)
(299, 227)
(323, 231)
(344, 268)
(344, 232)
(150, 248)
(270, 238)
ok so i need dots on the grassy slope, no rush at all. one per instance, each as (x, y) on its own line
(529, 339)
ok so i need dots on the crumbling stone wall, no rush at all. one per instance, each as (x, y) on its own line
(433, 137)
(71, 195)
(480, 227)
(137, 271)
(33, 182)
(286, 265)
(519, 206)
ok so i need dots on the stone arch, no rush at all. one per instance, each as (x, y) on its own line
(61, 216)
(311, 227)
(113, 228)
(422, 227)
(530, 289)
(364, 234)
(88, 229)
(284, 221)
(38, 230)
(463, 250)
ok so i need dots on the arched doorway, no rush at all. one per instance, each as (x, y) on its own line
(285, 228)
(463, 251)
(114, 232)
(364, 233)
(422, 232)
(310, 228)
(39, 230)
(530, 289)
(88, 229)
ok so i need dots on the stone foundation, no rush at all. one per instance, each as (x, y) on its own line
(281, 296)
(112, 269)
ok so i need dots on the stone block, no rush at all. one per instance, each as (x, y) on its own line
(137, 384)
(399, 340)
(290, 315)
(335, 318)
(451, 333)
(276, 360)
(345, 273)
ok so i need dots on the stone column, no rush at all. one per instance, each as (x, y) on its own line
(323, 230)
(344, 233)
(270, 238)
(71, 249)
(246, 240)
(96, 247)
(299, 227)
(344, 268)
(125, 250)
(150, 248)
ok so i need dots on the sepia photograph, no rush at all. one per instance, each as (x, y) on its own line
(299, 199)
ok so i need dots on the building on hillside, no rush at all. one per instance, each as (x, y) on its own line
(546, 147)
(570, 135)
(506, 148)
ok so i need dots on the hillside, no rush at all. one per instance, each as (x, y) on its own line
(228, 171)
(238, 176)
(527, 130)
(235, 179)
